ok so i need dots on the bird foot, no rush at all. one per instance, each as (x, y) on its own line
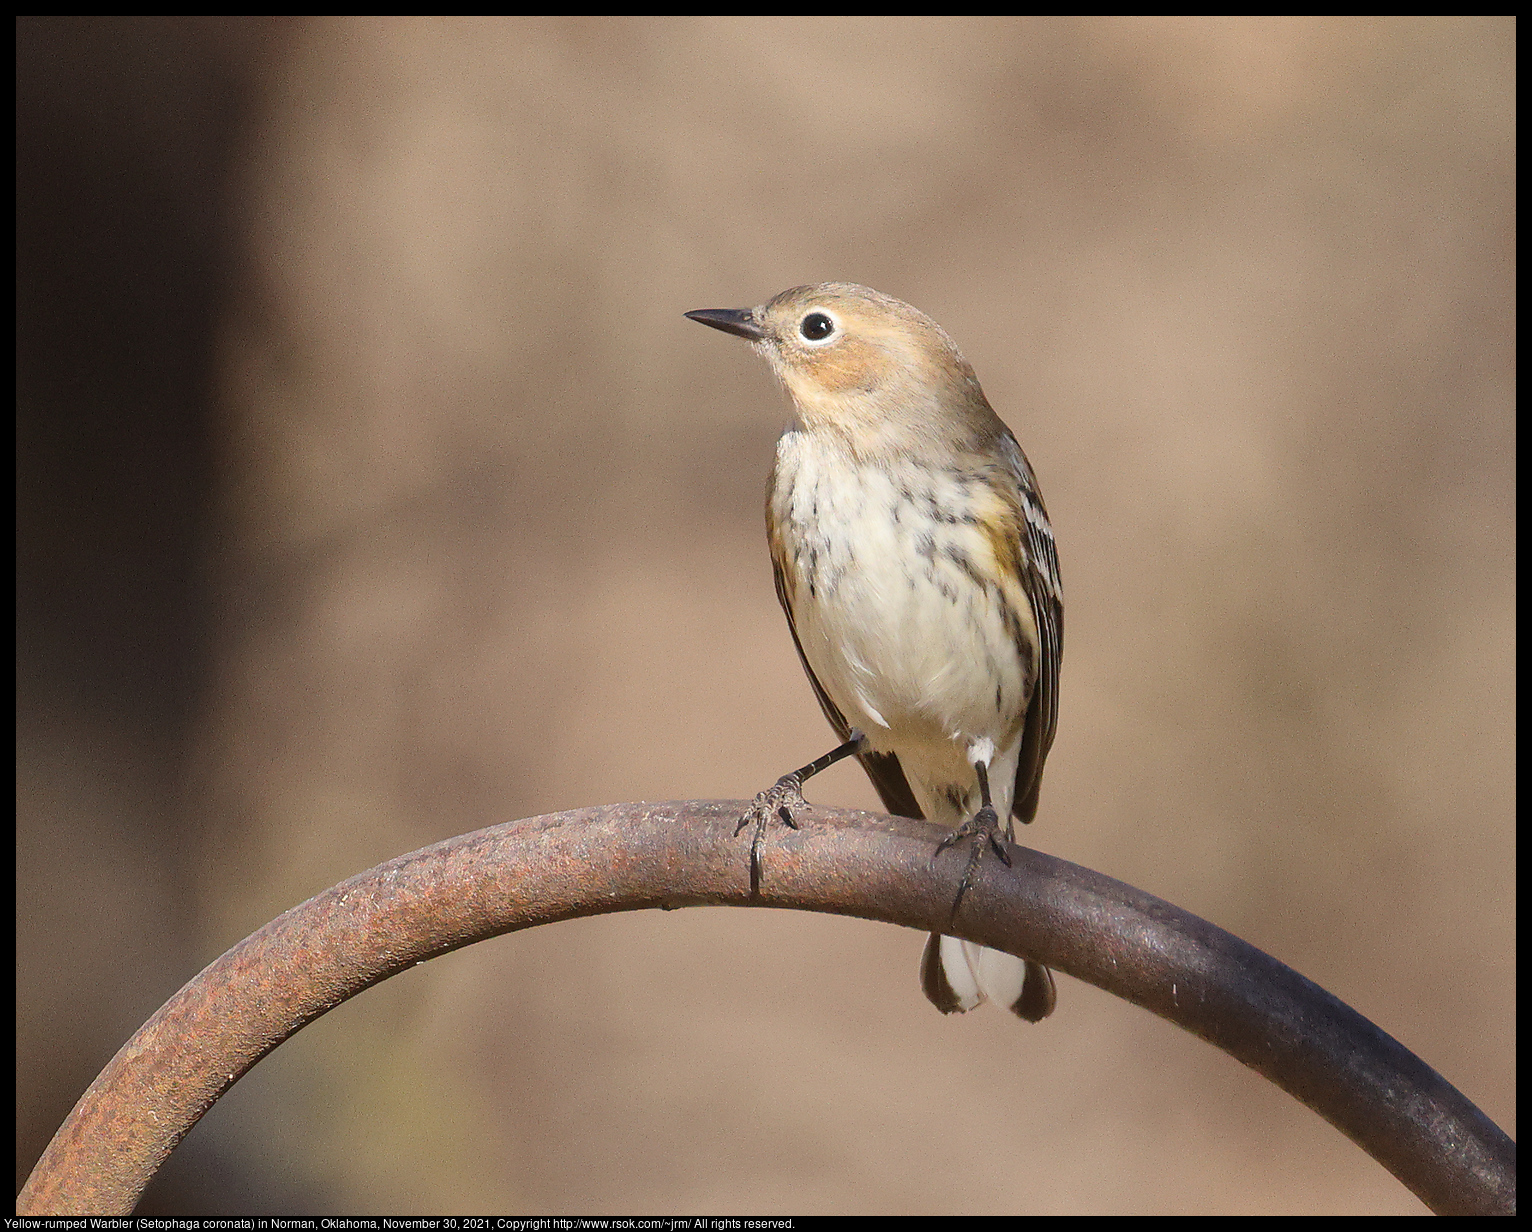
(777, 801)
(984, 829)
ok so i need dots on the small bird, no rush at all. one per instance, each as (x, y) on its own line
(916, 565)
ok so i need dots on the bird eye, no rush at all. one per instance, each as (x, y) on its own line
(816, 327)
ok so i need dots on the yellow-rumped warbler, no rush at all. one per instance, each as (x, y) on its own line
(916, 565)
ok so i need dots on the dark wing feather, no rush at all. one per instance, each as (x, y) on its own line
(883, 769)
(1044, 589)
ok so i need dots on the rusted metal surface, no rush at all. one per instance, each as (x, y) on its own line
(629, 857)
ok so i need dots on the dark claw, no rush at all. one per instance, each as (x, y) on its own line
(779, 800)
(983, 827)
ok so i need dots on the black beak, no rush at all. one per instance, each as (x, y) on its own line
(737, 321)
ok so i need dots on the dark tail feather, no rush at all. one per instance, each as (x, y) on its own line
(933, 979)
(1038, 995)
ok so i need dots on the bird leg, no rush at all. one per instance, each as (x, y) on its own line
(983, 827)
(784, 796)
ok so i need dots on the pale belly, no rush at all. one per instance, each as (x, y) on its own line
(900, 611)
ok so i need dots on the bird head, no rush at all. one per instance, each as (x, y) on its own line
(863, 366)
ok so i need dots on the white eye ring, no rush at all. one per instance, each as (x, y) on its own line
(813, 322)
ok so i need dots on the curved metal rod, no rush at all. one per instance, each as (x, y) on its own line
(627, 857)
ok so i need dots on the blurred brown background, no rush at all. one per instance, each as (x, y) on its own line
(373, 489)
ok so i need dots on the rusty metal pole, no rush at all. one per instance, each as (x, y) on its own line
(628, 857)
